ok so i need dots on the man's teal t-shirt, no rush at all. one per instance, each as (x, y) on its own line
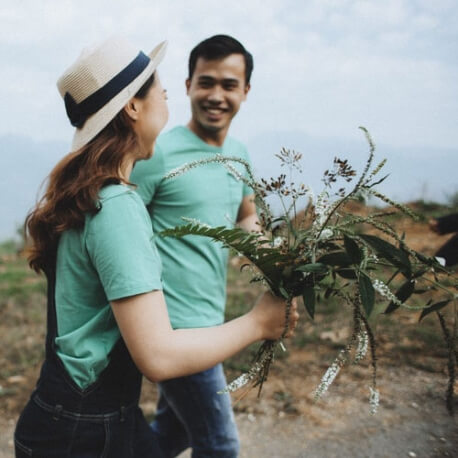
(194, 267)
(112, 257)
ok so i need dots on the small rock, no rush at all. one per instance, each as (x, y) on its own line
(443, 439)
(251, 417)
(281, 414)
(16, 379)
(414, 405)
(412, 454)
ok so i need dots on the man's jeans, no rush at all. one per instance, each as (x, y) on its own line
(191, 413)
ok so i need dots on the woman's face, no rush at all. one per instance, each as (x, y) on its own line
(153, 114)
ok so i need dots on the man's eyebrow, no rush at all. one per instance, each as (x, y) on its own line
(224, 80)
(206, 77)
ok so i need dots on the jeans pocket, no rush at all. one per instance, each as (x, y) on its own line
(39, 434)
(46, 434)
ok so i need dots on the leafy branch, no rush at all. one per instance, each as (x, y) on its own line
(327, 252)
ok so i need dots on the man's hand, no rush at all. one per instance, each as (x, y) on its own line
(247, 217)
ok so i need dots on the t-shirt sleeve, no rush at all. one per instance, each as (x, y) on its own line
(148, 174)
(120, 243)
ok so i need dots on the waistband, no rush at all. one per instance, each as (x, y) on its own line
(59, 411)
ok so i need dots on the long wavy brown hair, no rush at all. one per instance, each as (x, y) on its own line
(74, 184)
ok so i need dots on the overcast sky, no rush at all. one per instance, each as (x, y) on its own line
(321, 66)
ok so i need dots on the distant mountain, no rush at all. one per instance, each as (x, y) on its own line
(24, 164)
(415, 173)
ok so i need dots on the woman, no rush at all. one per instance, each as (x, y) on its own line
(91, 235)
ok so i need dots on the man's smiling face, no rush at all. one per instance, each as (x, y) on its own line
(216, 89)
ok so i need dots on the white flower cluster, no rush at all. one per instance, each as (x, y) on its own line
(374, 400)
(196, 222)
(330, 375)
(191, 165)
(278, 241)
(237, 175)
(385, 291)
(242, 380)
(363, 344)
(326, 234)
(322, 209)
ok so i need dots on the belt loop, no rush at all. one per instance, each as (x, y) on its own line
(57, 412)
(122, 412)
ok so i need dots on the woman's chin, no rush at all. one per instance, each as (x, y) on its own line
(146, 154)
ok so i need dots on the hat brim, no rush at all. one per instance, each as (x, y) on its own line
(95, 123)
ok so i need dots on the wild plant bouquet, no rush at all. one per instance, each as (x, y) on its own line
(326, 251)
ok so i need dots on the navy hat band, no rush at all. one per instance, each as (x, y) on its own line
(79, 112)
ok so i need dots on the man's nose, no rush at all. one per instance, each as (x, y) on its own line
(216, 95)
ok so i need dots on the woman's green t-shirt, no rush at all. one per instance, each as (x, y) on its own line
(112, 257)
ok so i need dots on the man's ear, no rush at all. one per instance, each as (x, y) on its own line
(246, 90)
(188, 85)
(132, 108)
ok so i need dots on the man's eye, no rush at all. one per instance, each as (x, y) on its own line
(230, 86)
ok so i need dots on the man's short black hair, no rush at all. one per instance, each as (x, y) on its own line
(218, 47)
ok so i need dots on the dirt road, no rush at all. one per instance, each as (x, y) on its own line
(285, 423)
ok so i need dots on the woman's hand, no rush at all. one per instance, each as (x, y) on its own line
(162, 353)
(269, 313)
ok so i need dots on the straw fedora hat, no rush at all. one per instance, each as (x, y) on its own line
(101, 82)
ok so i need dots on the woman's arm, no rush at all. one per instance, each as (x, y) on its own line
(161, 353)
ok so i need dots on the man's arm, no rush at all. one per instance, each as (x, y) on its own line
(247, 217)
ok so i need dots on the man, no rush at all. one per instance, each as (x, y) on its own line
(190, 411)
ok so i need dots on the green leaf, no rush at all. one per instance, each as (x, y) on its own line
(421, 291)
(268, 260)
(283, 292)
(316, 267)
(337, 258)
(386, 250)
(403, 293)
(348, 274)
(309, 300)
(353, 250)
(419, 273)
(366, 291)
(433, 308)
(379, 181)
(425, 259)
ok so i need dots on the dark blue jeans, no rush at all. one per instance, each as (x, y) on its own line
(191, 413)
(47, 432)
(63, 421)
